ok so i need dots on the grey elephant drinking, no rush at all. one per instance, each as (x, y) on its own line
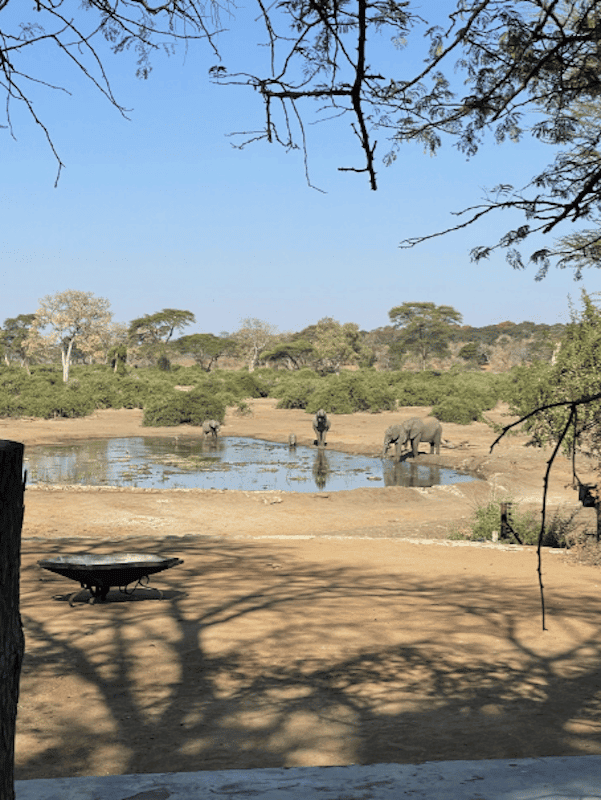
(414, 430)
(321, 425)
(211, 428)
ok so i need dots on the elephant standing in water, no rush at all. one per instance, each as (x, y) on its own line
(321, 425)
(414, 430)
(211, 428)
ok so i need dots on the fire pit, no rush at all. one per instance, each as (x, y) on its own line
(98, 573)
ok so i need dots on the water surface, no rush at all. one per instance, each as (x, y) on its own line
(229, 462)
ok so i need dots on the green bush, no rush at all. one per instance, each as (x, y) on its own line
(179, 408)
(487, 519)
(364, 390)
(54, 401)
(295, 388)
(458, 411)
(431, 388)
(418, 389)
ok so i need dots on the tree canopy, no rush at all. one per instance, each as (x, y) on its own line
(159, 327)
(490, 70)
(574, 376)
(204, 348)
(425, 329)
(13, 337)
(68, 318)
(253, 337)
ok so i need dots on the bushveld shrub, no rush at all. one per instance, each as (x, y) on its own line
(179, 408)
(432, 388)
(457, 410)
(418, 389)
(12, 381)
(55, 401)
(103, 390)
(365, 390)
(526, 523)
(295, 388)
(522, 386)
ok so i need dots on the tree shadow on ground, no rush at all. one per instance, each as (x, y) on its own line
(252, 660)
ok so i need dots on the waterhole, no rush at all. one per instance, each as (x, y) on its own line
(228, 462)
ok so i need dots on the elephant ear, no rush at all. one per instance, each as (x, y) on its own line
(414, 427)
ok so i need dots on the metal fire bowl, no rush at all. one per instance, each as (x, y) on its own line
(99, 572)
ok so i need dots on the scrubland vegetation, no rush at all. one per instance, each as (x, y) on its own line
(68, 359)
(190, 395)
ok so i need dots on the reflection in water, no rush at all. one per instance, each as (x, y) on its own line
(224, 463)
(408, 473)
(321, 468)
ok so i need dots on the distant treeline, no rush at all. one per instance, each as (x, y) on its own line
(489, 334)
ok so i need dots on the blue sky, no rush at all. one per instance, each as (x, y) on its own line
(160, 211)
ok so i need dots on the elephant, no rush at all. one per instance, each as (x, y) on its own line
(321, 425)
(414, 430)
(393, 435)
(211, 428)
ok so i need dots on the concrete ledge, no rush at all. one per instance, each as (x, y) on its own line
(561, 778)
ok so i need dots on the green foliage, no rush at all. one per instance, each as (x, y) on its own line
(152, 329)
(576, 375)
(179, 408)
(526, 523)
(13, 336)
(489, 334)
(474, 353)
(292, 354)
(294, 389)
(163, 363)
(117, 358)
(205, 348)
(348, 392)
(424, 329)
(53, 401)
(478, 389)
(457, 410)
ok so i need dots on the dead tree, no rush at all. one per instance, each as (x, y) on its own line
(12, 487)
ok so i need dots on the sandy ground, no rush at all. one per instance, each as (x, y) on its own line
(304, 629)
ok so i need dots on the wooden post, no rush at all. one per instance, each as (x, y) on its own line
(12, 486)
(506, 529)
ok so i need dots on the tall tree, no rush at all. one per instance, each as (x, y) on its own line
(337, 345)
(204, 348)
(562, 400)
(152, 332)
(575, 373)
(69, 318)
(425, 329)
(160, 327)
(254, 336)
(294, 353)
(13, 337)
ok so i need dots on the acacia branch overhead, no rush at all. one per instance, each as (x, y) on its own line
(491, 69)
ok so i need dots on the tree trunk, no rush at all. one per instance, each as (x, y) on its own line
(12, 485)
(66, 358)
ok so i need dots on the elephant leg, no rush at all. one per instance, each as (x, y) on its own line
(397, 450)
(415, 446)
